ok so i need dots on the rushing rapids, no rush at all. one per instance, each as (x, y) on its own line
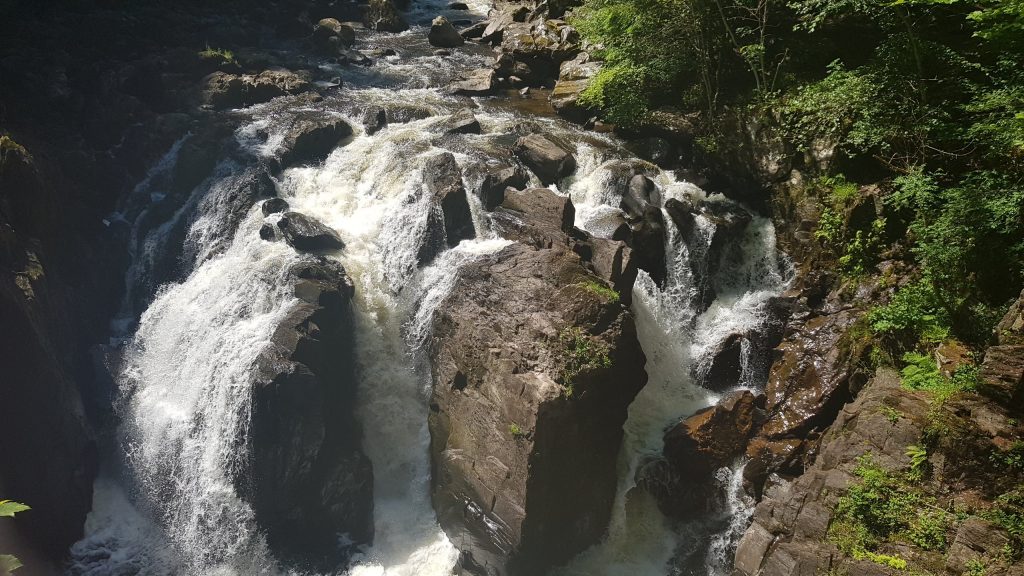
(170, 501)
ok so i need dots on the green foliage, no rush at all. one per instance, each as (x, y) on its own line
(516, 431)
(1007, 512)
(602, 291)
(219, 55)
(912, 316)
(922, 373)
(891, 414)
(886, 507)
(8, 509)
(975, 567)
(582, 353)
(1009, 461)
(919, 465)
(619, 90)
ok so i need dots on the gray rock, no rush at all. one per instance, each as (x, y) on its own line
(311, 137)
(443, 35)
(222, 90)
(474, 83)
(273, 206)
(463, 122)
(548, 160)
(307, 234)
(383, 16)
(492, 189)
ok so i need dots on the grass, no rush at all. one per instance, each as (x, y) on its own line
(583, 353)
(516, 431)
(602, 291)
(220, 54)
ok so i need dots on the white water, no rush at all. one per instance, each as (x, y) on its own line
(185, 392)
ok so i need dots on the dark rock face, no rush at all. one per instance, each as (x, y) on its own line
(310, 480)
(311, 138)
(443, 35)
(492, 189)
(382, 15)
(463, 122)
(450, 220)
(307, 234)
(511, 430)
(548, 160)
(274, 206)
(223, 90)
(726, 364)
(329, 35)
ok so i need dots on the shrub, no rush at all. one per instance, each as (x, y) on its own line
(602, 291)
(912, 316)
(8, 509)
(583, 353)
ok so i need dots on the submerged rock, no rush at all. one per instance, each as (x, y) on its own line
(533, 371)
(443, 35)
(310, 480)
(548, 160)
(307, 234)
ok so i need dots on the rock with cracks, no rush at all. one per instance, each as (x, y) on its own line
(533, 371)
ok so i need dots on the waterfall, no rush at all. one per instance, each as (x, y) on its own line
(168, 503)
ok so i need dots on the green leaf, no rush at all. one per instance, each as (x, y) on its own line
(9, 508)
(9, 563)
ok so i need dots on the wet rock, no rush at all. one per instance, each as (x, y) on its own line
(383, 16)
(442, 52)
(507, 436)
(374, 120)
(573, 78)
(443, 35)
(683, 215)
(310, 480)
(311, 137)
(492, 189)
(789, 532)
(473, 31)
(474, 83)
(329, 35)
(354, 57)
(549, 161)
(443, 179)
(307, 234)
(458, 6)
(463, 122)
(222, 90)
(273, 206)
(536, 216)
(712, 437)
(726, 364)
(267, 232)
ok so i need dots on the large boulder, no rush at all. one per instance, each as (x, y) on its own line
(383, 16)
(330, 35)
(307, 234)
(310, 479)
(492, 189)
(548, 160)
(462, 122)
(451, 219)
(479, 82)
(533, 372)
(574, 77)
(533, 50)
(443, 35)
(311, 137)
(221, 90)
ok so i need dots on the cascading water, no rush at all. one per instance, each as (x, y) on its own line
(170, 505)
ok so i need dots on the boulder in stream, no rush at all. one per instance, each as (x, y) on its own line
(307, 234)
(450, 220)
(496, 181)
(311, 137)
(548, 160)
(479, 82)
(463, 122)
(310, 480)
(533, 372)
(443, 35)
(383, 16)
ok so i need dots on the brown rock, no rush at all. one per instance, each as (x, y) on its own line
(712, 437)
(548, 160)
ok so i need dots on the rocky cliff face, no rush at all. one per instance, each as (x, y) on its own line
(535, 361)
(310, 480)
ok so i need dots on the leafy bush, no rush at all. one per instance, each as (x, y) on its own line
(912, 316)
(217, 54)
(922, 373)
